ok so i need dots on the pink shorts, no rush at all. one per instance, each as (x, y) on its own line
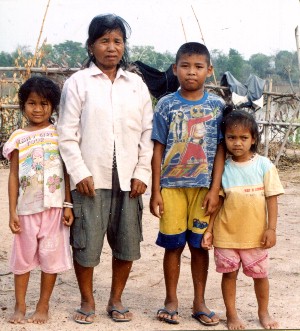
(43, 241)
(254, 261)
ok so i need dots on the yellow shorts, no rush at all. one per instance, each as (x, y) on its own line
(184, 219)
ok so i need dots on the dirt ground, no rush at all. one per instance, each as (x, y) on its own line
(144, 293)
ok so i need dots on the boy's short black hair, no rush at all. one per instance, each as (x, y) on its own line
(43, 87)
(193, 48)
(243, 119)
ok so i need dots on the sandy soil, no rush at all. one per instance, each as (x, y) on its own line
(144, 293)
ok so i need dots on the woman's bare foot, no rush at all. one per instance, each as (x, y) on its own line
(40, 316)
(18, 316)
(234, 323)
(267, 321)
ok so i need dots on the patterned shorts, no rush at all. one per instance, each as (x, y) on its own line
(254, 261)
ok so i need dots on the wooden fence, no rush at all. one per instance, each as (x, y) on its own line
(288, 122)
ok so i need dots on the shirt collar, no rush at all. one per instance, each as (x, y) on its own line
(94, 70)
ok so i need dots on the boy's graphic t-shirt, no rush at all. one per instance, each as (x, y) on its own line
(41, 177)
(190, 130)
(242, 219)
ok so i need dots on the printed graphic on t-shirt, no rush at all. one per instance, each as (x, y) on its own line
(190, 130)
(187, 156)
(40, 169)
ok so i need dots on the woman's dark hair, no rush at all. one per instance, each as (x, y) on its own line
(102, 24)
(42, 86)
(244, 119)
(193, 48)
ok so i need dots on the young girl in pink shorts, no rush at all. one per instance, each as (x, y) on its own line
(245, 226)
(40, 211)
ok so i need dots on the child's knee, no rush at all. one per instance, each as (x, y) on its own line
(232, 275)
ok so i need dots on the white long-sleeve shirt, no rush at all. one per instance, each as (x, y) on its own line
(94, 115)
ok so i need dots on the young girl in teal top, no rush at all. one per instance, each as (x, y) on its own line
(245, 227)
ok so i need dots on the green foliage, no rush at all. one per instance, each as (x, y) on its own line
(220, 62)
(261, 64)
(148, 55)
(6, 60)
(69, 54)
(286, 66)
(235, 64)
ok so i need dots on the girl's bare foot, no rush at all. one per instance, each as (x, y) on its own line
(19, 315)
(40, 316)
(234, 323)
(268, 322)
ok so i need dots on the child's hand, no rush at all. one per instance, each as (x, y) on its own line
(156, 204)
(14, 224)
(68, 217)
(211, 202)
(269, 238)
(207, 240)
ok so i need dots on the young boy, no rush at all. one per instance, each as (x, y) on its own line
(187, 153)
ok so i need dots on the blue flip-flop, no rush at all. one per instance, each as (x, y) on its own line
(169, 312)
(86, 314)
(210, 315)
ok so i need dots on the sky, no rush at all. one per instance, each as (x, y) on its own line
(248, 26)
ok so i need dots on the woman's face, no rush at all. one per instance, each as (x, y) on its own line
(108, 50)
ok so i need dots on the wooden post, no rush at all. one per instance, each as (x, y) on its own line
(298, 44)
(286, 136)
(267, 118)
(298, 47)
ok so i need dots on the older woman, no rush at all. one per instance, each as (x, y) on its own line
(104, 134)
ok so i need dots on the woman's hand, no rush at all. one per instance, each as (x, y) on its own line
(137, 188)
(86, 187)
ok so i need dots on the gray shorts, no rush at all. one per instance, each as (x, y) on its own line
(110, 212)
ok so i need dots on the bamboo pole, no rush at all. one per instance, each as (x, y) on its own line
(41, 31)
(267, 118)
(202, 37)
(183, 29)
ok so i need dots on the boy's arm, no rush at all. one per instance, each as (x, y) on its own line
(13, 192)
(207, 239)
(68, 216)
(156, 202)
(211, 200)
(269, 237)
